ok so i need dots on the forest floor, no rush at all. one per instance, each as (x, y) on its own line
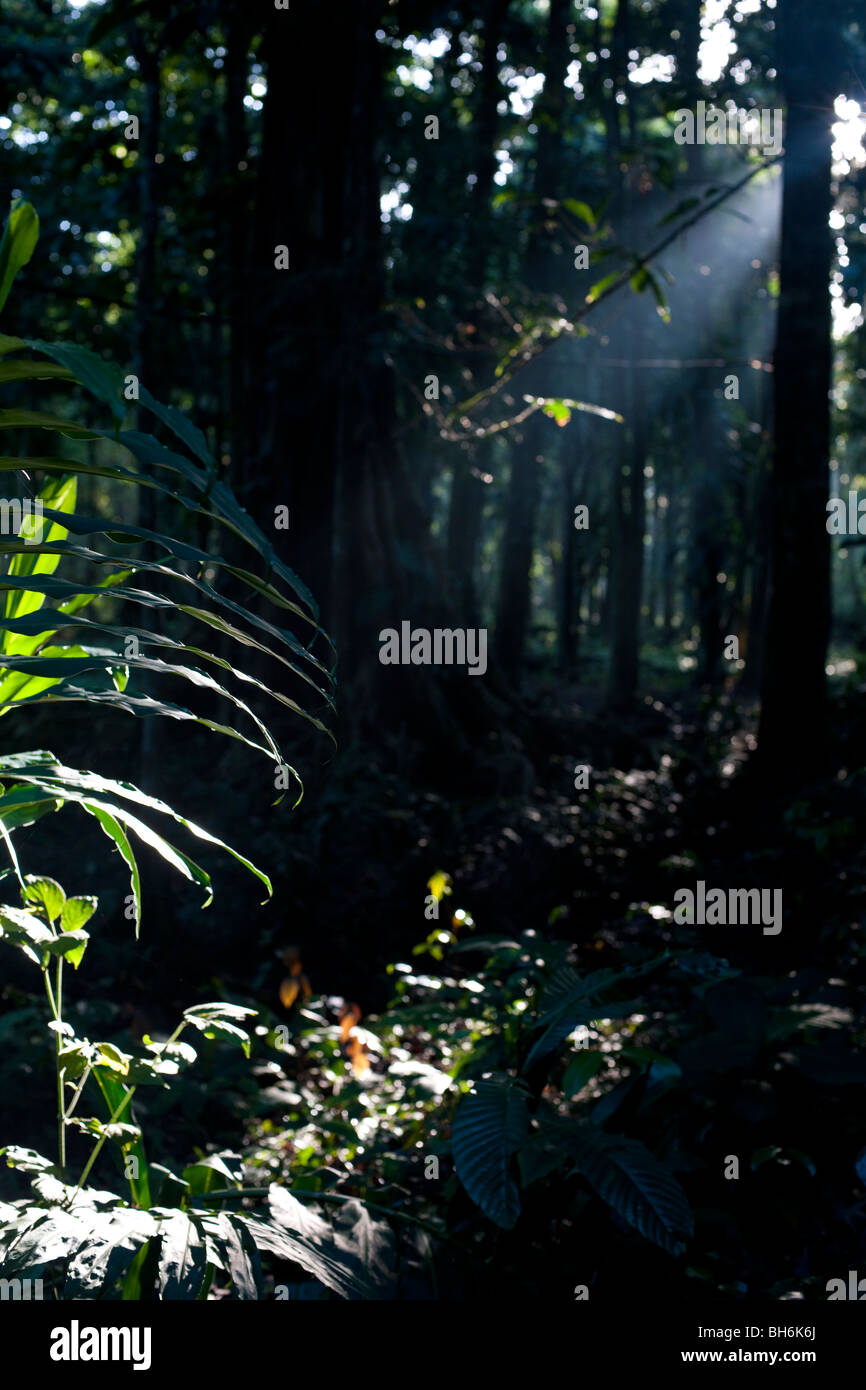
(666, 804)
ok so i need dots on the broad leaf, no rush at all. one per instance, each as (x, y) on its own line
(490, 1125)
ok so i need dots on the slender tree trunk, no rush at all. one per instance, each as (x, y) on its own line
(568, 593)
(759, 594)
(527, 459)
(235, 277)
(468, 490)
(627, 543)
(706, 540)
(670, 550)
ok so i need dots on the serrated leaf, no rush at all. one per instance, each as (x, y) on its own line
(641, 1192)
(104, 1258)
(240, 1255)
(490, 1125)
(296, 1233)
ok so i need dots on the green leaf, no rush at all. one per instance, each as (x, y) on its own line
(491, 1123)
(27, 1160)
(105, 1257)
(240, 1255)
(24, 805)
(115, 831)
(643, 278)
(182, 1257)
(140, 1280)
(42, 770)
(627, 1176)
(20, 236)
(76, 911)
(107, 1055)
(105, 380)
(561, 408)
(47, 892)
(658, 294)
(557, 410)
(75, 1057)
(177, 1052)
(24, 930)
(762, 1156)
(186, 431)
(570, 999)
(120, 1133)
(220, 1009)
(166, 1188)
(296, 1233)
(71, 945)
(23, 369)
(65, 567)
(59, 495)
(580, 209)
(213, 1171)
(583, 1066)
(40, 420)
(117, 1102)
(600, 286)
(218, 1028)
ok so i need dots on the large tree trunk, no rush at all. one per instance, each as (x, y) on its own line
(793, 727)
(301, 315)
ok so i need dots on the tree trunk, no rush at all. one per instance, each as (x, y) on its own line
(301, 315)
(527, 458)
(627, 541)
(793, 726)
(468, 490)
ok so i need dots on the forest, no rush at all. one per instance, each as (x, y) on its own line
(433, 545)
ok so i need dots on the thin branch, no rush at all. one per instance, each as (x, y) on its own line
(639, 263)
